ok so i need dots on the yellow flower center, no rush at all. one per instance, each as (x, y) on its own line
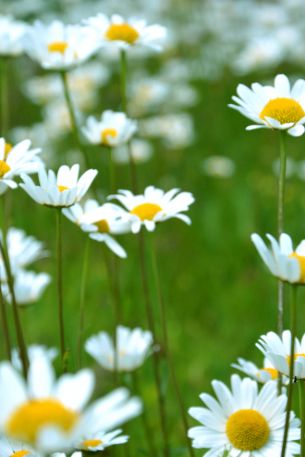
(146, 211)
(4, 168)
(91, 443)
(58, 46)
(28, 419)
(122, 32)
(301, 261)
(106, 134)
(62, 188)
(247, 430)
(21, 453)
(284, 110)
(103, 226)
(7, 149)
(296, 356)
(272, 371)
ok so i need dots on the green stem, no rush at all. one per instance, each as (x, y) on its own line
(82, 302)
(156, 361)
(4, 97)
(293, 308)
(302, 414)
(147, 429)
(168, 355)
(5, 327)
(112, 174)
(74, 125)
(60, 289)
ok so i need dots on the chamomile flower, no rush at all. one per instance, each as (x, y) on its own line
(23, 250)
(61, 190)
(279, 107)
(100, 441)
(126, 33)
(58, 46)
(133, 346)
(11, 36)
(15, 160)
(51, 414)
(113, 129)
(154, 206)
(15, 449)
(100, 222)
(244, 421)
(263, 375)
(282, 260)
(28, 287)
(277, 350)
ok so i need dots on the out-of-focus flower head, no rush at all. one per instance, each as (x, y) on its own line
(11, 36)
(28, 287)
(113, 129)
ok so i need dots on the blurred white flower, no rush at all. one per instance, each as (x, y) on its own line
(275, 107)
(10, 448)
(282, 260)
(58, 46)
(28, 287)
(11, 36)
(100, 441)
(140, 150)
(219, 166)
(265, 374)
(176, 130)
(133, 346)
(154, 206)
(61, 190)
(113, 129)
(16, 160)
(125, 33)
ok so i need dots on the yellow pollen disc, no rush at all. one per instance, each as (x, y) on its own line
(91, 443)
(106, 134)
(284, 110)
(301, 261)
(7, 149)
(58, 46)
(62, 188)
(272, 371)
(103, 226)
(122, 32)
(296, 356)
(146, 211)
(26, 421)
(247, 430)
(4, 168)
(21, 453)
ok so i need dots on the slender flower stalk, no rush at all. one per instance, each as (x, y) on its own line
(4, 96)
(302, 414)
(156, 360)
(162, 310)
(293, 308)
(112, 171)
(73, 120)
(5, 327)
(132, 165)
(60, 289)
(280, 223)
(146, 426)
(82, 302)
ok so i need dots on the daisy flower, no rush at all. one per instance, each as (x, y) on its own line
(277, 351)
(58, 46)
(113, 129)
(243, 421)
(61, 190)
(281, 259)
(133, 346)
(263, 375)
(154, 206)
(15, 449)
(101, 221)
(23, 250)
(51, 415)
(28, 286)
(15, 160)
(126, 33)
(100, 441)
(11, 36)
(279, 107)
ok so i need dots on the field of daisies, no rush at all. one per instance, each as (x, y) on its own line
(152, 228)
